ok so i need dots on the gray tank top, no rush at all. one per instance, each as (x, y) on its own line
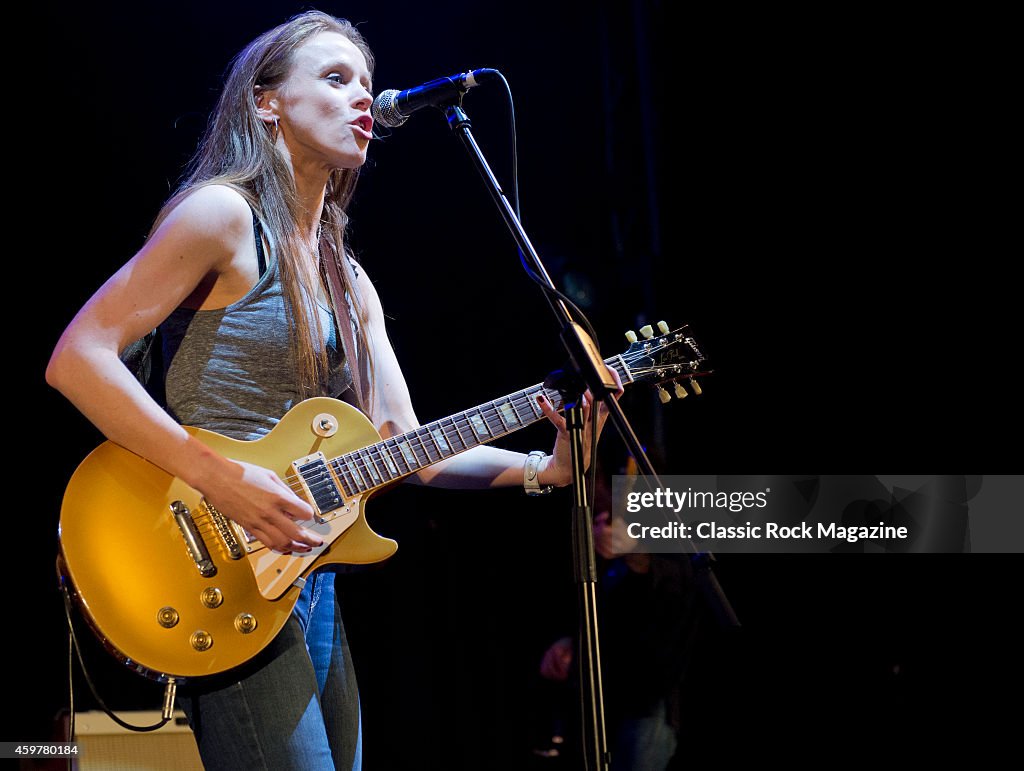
(233, 370)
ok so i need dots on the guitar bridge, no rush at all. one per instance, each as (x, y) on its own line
(225, 529)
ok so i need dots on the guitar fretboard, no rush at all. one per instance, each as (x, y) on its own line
(399, 456)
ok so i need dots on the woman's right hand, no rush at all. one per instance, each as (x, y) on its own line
(258, 500)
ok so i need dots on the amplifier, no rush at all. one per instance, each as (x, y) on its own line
(106, 746)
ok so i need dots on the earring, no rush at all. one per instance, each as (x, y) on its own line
(277, 129)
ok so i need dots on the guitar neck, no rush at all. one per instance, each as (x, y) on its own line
(399, 456)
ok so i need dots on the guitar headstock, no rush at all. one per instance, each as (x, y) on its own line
(671, 358)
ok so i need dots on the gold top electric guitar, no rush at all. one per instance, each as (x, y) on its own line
(174, 588)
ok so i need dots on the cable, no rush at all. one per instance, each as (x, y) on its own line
(71, 691)
(73, 643)
(580, 316)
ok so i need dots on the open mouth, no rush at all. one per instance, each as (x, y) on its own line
(365, 124)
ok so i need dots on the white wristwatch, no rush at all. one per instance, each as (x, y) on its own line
(531, 483)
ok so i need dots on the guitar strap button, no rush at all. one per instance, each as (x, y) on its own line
(325, 425)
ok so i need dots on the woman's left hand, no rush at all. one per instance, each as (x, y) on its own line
(556, 469)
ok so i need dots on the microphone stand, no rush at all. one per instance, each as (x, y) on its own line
(590, 373)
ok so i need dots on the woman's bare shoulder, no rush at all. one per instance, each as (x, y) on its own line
(218, 212)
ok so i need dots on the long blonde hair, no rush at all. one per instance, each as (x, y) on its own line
(238, 150)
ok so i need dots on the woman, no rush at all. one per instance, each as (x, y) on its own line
(247, 339)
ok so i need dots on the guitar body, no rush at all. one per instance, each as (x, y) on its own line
(124, 557)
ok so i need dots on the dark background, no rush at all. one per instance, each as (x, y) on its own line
(807, 191)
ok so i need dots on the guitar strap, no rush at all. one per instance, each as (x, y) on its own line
(343, 318)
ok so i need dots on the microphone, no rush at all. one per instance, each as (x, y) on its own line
(392, 108)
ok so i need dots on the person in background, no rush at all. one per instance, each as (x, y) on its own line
(650, 618)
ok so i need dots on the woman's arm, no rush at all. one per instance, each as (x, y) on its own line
(195, 247)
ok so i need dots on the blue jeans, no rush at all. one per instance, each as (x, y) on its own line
(644, 743)
(294, 706)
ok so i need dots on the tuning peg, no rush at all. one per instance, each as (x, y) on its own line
(680, 391)
(696, 387)
(631, 336)
(664, 395)
(663, 327)
(647, 331)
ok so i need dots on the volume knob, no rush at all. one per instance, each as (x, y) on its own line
(167, 617)
(201, 641)
(245, 622)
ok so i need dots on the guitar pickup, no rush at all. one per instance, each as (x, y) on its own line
(315, 477)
